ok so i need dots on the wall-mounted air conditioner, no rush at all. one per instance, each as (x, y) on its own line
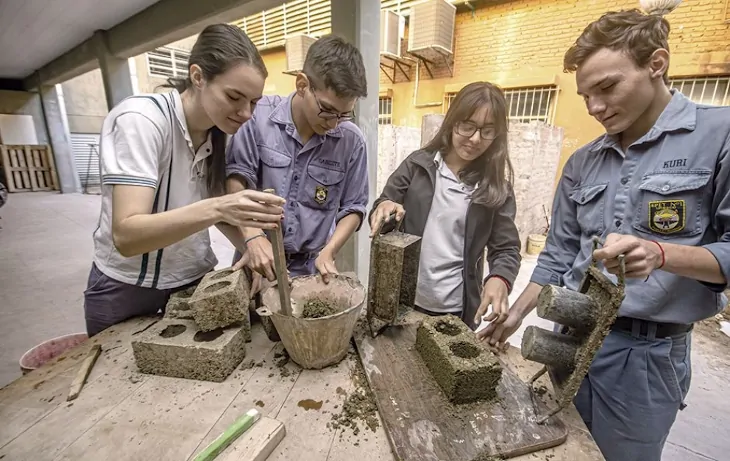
(296, 47)
(432, 26)
(391, 32)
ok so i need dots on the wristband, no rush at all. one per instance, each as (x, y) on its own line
(661, 249)
(509, 286)
(254, 237)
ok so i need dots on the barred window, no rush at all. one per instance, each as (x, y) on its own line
(168, 62)
(704, 90)
(525, 105)
(385, 110)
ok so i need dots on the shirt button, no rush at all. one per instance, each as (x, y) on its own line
(618, 223)
(624, 181)
(665, 187)
(289, 229)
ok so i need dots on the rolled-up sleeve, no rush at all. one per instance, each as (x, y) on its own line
(355, 195)
(242, 154)
(563, 240)
(721, 219)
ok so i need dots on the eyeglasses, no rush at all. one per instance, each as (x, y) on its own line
(328, 114)
(467, 129)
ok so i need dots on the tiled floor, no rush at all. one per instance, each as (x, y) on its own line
(45, 254)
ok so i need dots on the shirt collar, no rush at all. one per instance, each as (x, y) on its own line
(206, 148)
(281, 115)
(680, 114)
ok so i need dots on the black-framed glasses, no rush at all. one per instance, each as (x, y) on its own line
(467, 129)
(328, 114)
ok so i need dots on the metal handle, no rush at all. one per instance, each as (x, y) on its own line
(621, 262)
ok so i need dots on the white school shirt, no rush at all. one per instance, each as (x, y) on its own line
(145, 142)
(440, 285)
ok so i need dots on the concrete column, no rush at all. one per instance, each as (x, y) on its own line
(430, 125)
(54, 115)
(115, 72)
(358, 21)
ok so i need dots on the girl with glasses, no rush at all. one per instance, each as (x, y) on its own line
(456, 193)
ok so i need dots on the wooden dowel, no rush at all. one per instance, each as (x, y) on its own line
(567, 307)
(549, 348)
(282, 279)
(83, 372)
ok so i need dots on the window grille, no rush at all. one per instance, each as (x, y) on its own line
(168, 62)
(385, 110)
(525, 105)
(704, 90)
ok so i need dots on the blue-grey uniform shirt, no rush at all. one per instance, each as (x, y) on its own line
(671, 186)
(322, 181)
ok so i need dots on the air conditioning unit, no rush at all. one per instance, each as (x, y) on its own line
(296, 47)
(432, 26)
(390, 32)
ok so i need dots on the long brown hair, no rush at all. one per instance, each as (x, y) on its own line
(218, 48)
(493, 169)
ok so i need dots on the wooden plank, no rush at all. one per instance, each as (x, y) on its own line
(23, 167)
(257, 443)
(30, 165)
(9, 180)
(420, 422)
(52, 173)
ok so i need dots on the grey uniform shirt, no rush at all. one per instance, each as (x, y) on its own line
(440, 279)
(670, 186)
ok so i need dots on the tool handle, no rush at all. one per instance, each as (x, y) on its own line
(83, 373)
(240, 426)
(282, 279)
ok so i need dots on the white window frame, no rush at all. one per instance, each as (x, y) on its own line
(177, 59)
(385, 110)
(516, 97)
(710, 90)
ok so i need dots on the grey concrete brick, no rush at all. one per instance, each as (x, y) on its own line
(222, 300)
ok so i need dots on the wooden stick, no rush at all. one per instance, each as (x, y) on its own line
(83, 372)
(282, 279)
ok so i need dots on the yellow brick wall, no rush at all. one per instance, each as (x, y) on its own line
(521, 43)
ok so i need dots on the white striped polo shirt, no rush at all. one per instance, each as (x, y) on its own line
(145, 142)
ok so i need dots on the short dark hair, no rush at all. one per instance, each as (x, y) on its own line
(332, 63)
(637, 34)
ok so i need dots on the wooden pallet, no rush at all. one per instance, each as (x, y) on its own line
(28, 167)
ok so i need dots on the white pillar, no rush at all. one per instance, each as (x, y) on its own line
(358, 21)
(115, 72)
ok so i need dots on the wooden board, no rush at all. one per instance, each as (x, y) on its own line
(257, 443)
(28, 168)
(422, 424)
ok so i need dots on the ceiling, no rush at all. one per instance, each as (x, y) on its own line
(34, 32)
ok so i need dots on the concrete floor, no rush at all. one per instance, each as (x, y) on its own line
(45, 254)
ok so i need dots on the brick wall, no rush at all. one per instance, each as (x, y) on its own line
(517, 36)
(534, 150)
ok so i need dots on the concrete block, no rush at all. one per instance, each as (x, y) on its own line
(178, 306)
(177, 348)
(465, 370)
(222, 300)
(393, 273)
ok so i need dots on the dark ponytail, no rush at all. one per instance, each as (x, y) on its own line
(218, 48)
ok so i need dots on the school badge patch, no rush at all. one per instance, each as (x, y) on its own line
(667, 216)
(320, 194)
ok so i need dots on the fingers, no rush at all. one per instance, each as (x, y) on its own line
(255, 284)
(503, 309)
(240, 264)
(263, 197)
(375, 223)
(486, 332)
(611, 251)
(400, 212)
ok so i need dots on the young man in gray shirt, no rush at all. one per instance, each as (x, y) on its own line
(655, 188)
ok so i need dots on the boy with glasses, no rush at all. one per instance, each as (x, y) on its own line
(306, 148)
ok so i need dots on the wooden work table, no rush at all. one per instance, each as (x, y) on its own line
(122, 414)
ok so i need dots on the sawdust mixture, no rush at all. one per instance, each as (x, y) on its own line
(359, 407)
(316, 308)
